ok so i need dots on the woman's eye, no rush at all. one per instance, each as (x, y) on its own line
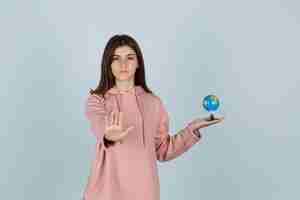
(130, 58)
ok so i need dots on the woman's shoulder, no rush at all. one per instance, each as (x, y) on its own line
(154, 98)
(94, 99)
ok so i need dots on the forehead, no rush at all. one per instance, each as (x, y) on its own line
(124, 50)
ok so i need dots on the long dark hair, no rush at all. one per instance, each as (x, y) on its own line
(107, 80)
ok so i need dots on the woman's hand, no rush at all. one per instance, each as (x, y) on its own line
(204, 122)
(114, 130)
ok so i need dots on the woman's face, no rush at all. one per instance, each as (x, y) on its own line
(124, 63)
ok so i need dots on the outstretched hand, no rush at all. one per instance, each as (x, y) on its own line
(205, 122)
(114, 130)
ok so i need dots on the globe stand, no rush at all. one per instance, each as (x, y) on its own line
(212, 117)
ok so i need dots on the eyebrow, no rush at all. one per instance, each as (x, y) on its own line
(130, 54)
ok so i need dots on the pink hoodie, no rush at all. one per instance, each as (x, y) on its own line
(127, 170)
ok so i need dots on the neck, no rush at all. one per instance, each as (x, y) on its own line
(124, 85)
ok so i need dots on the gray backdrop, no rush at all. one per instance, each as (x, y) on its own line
(246, 52)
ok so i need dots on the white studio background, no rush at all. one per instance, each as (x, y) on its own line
(246, 52)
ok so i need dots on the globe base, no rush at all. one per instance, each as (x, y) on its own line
(211, 117)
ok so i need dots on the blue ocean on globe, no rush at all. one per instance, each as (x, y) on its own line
(211, 103)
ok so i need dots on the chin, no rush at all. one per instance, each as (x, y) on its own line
(123, 78)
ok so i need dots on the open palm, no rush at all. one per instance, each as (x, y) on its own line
(205, 122)
(114, 130)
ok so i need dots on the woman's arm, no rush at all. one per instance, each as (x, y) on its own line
(95, 112)
(169, 147)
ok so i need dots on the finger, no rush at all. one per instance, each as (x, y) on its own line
(105, 121)
(114, 118)
(111, 118)
(207, 118)
(121, 119)
(214, 122)
(219, 119)
(117, 116)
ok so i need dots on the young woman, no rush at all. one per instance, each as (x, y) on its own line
(131, 127)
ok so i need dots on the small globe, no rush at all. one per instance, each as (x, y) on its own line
(211, 103)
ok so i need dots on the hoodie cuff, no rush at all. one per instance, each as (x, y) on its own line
(107, 143)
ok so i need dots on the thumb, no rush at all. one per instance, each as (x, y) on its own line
(126, 132)
(129, 129)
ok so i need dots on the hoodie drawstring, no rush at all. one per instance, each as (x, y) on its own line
(142, 114)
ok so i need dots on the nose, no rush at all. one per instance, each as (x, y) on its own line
(123, 63)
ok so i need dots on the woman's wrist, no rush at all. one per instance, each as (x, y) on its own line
(197, 133)
(107, 142)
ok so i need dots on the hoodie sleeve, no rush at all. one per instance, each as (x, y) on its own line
(169, 146)
(95, 112)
